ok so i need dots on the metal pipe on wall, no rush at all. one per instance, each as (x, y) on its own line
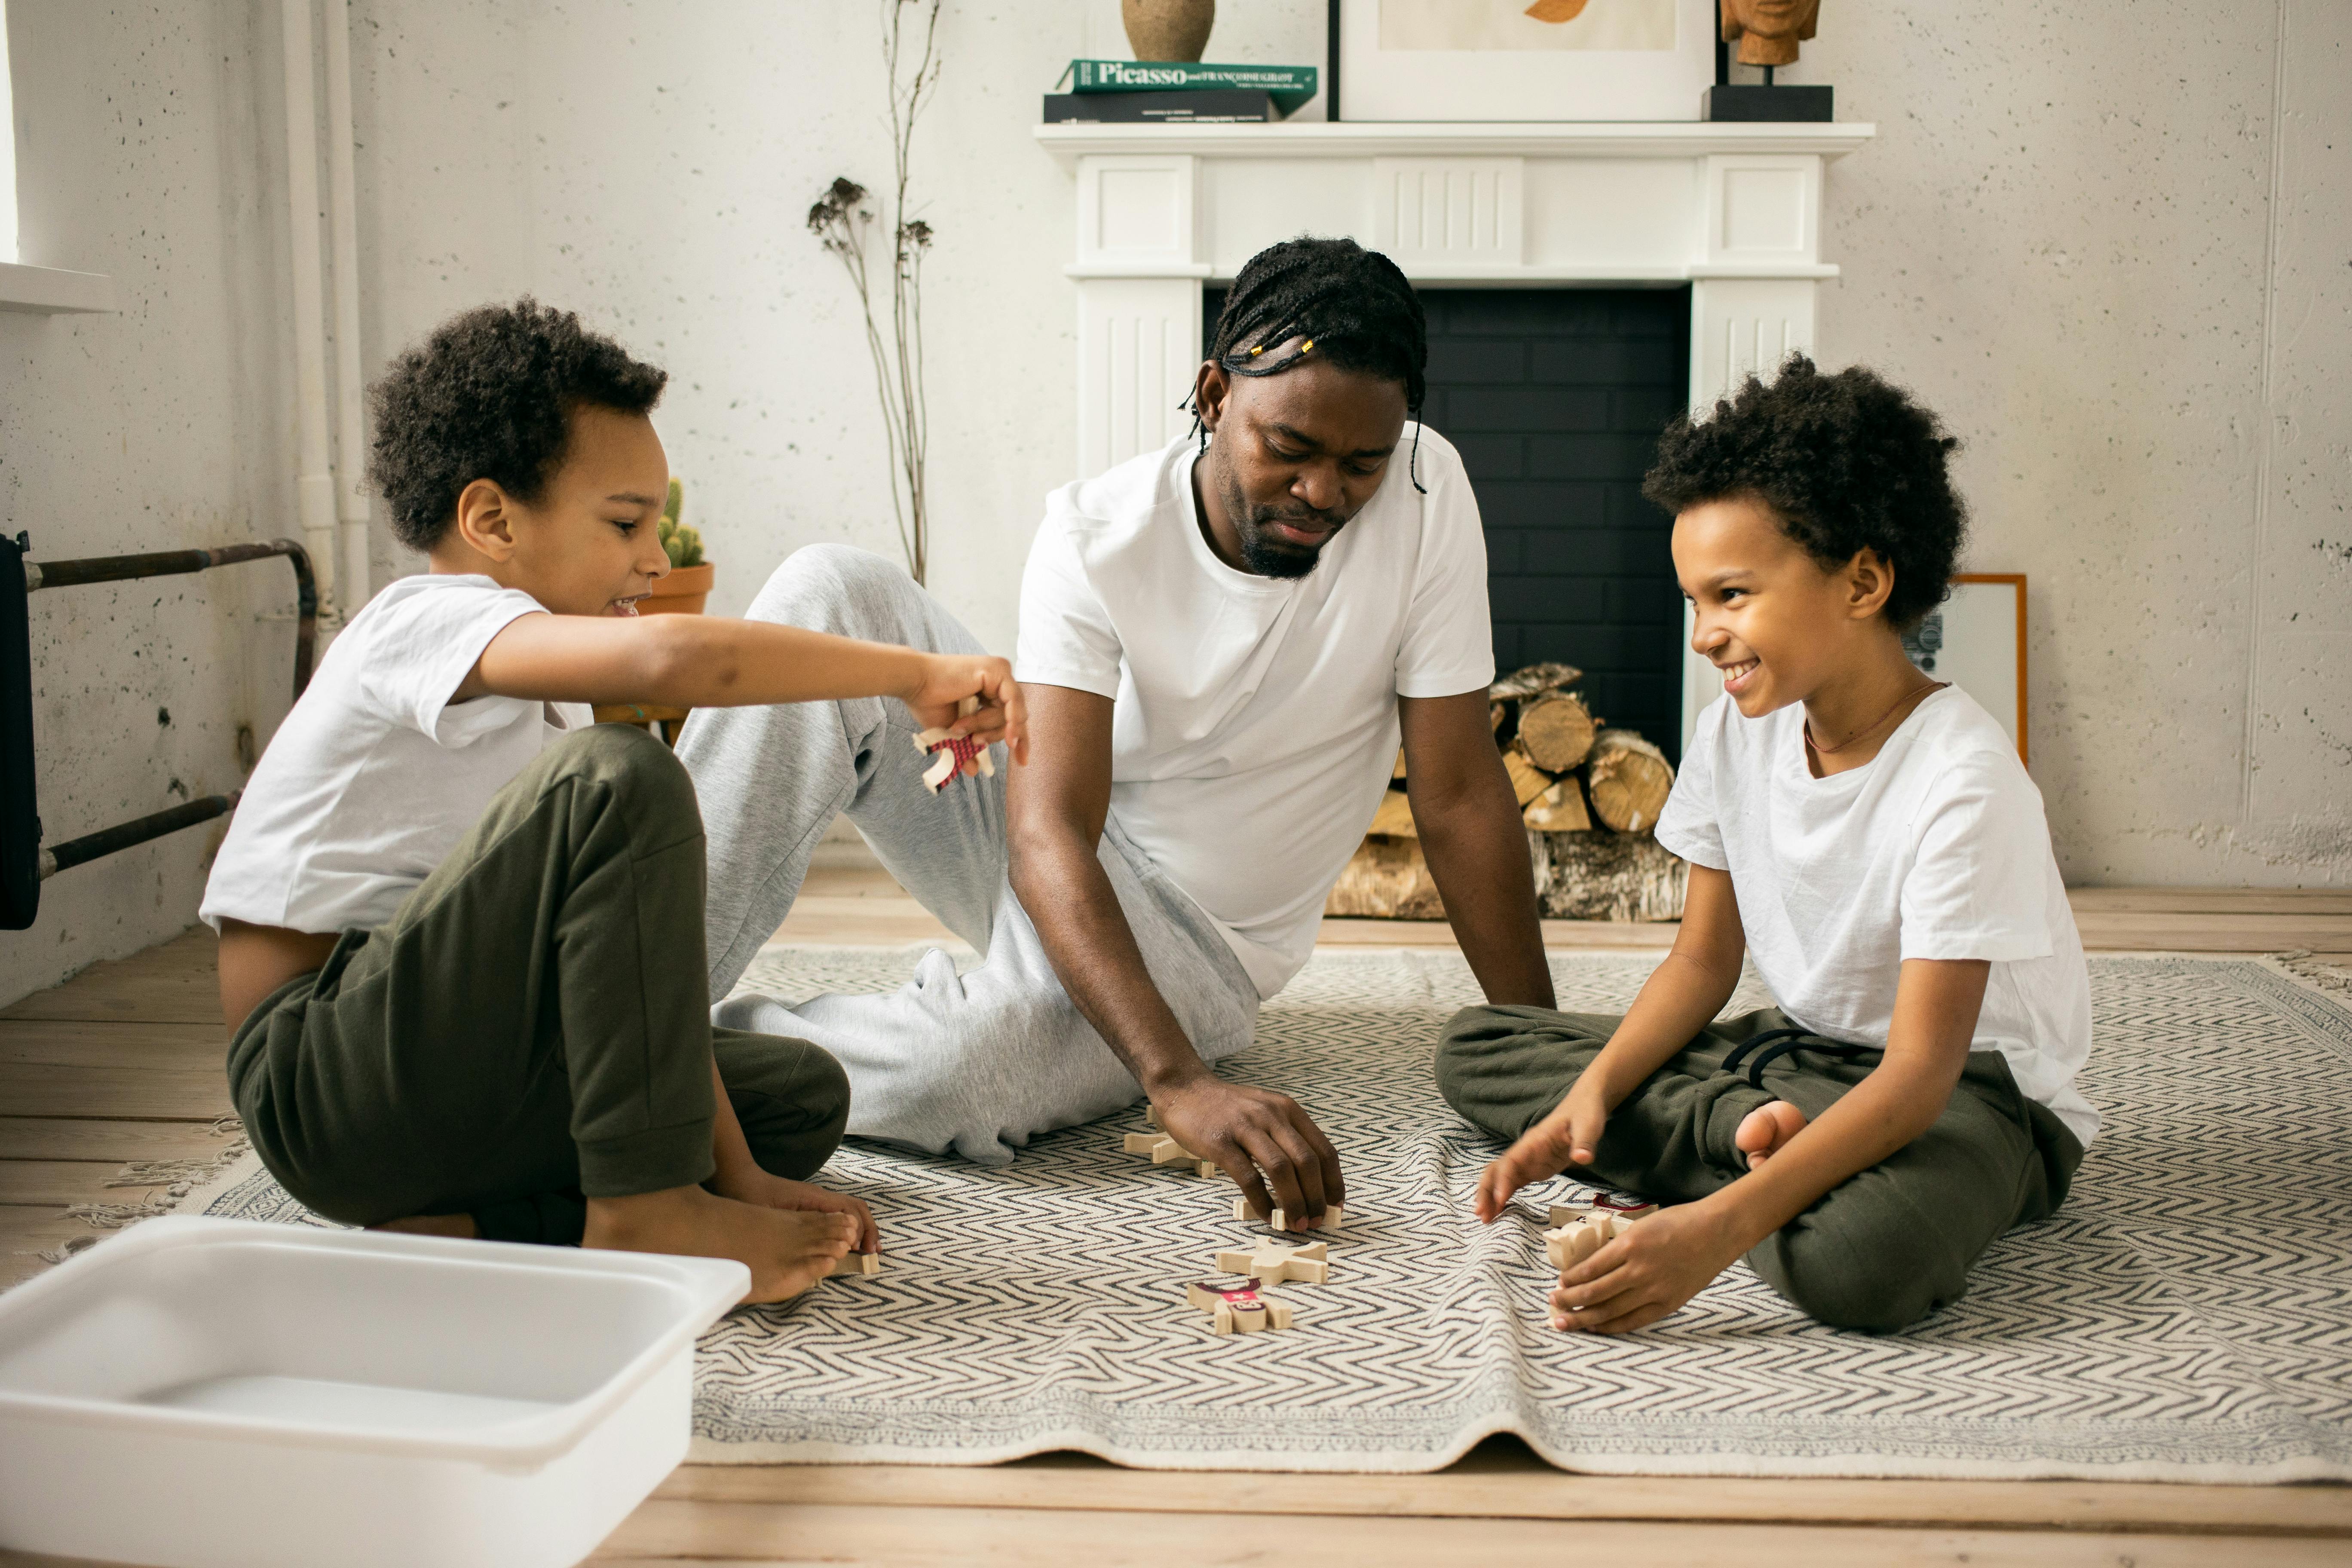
(342, 234)
(314, 478)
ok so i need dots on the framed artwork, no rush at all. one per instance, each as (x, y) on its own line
(1976, 640)
(1514, 60)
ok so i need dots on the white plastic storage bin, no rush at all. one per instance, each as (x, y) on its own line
(219, 1394)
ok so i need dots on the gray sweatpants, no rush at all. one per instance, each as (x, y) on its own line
(979, 1063)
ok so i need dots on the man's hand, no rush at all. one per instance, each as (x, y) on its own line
(1568, 1136)
(1652, 1268)
(1249, 1130)
(947, 678)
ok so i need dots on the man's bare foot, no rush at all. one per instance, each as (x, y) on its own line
(1764, 1130)
(786, 1250)
(458, 1225)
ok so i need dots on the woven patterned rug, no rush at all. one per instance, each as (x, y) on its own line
(2142, 1333)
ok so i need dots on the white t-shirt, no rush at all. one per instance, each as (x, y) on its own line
(1256, 717)
(375, 774)
(1935, 848)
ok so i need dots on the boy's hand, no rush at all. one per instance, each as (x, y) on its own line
(1649, 1270)
(776, 1192)
(1568, 1136)
(949, 678)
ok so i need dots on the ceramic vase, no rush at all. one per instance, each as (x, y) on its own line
(1168, 29)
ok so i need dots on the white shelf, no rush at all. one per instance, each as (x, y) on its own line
(53, 291)
(1355, 139)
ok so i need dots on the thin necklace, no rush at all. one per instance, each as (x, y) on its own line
(1820, 750)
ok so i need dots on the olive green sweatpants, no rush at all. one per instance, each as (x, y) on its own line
(1880, 1251)
(532, 1028)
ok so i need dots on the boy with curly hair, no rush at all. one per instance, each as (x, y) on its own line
(461, 947)
(1870, 838)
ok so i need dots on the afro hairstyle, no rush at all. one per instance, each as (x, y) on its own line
(1848, 462)
(490, 395)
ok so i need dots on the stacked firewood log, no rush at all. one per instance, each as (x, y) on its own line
(1590, 796)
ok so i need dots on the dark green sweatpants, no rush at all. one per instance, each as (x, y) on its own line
(532, 1028)
(1881, 1251)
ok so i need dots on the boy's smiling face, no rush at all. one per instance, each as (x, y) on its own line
(1769, 617)
(588, 545)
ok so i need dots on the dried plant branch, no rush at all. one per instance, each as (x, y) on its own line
(843, 220)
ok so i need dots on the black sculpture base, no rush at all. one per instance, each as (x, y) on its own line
(1746, 101)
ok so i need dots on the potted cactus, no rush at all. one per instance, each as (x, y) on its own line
(687, 585)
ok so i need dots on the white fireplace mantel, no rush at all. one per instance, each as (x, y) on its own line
(1732, 210)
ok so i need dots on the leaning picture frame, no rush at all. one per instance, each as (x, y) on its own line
(1516, 61)
(1976, 640)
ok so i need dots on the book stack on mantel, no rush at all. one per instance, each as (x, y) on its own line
(1177, 92)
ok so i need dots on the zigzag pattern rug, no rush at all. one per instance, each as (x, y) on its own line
(2142, 1333)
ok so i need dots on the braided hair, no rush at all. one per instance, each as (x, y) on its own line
(1341, 303)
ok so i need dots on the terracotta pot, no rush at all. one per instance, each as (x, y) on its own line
(681, 593)
(1168, 29)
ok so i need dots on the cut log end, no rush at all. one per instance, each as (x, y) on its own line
(1629, 780)
(1556, 730)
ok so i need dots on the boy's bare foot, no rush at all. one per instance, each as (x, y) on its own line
(458, 1225)
(786, 1250)
(1763, 1130)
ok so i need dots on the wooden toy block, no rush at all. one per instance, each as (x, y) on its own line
(855, 1263)
(1276, 1264)
(1237, 1309)
(1571, 1244)
(953, 751)
(1332, 1216)
(1568, 1213)
(1166, 1151)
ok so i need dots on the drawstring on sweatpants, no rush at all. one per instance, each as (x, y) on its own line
(1779, 1043)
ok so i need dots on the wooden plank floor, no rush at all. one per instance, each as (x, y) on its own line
(122, 1063)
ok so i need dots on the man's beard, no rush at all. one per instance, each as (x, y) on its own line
(1264, 551)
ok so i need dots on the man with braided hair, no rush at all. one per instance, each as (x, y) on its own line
(1221, 643)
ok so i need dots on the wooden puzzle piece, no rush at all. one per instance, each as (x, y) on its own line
(953, 751)
(855, 1263)
(1276, 1264)
(1166, 1151)
(1237, 1309)
(1568, 1213)
(1332, 1216)
(1586, 1231)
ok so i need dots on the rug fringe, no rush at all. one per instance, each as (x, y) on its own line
(2322, 973)
(178, 1178)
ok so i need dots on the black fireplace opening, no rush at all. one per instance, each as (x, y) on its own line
(1555, 399)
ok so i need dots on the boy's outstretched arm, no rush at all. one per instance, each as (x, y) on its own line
(708, 661)
(1656, 1265)
(1681, 997)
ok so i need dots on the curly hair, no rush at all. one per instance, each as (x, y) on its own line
(490, 396)
(1848, 462)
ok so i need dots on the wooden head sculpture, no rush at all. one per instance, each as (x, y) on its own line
(1768, 31)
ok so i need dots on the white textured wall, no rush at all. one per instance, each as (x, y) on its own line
(2107, 241)
(651, 165)
(141, 152)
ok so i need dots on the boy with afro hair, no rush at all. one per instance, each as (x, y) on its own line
(461, 949)
(1870, 838)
